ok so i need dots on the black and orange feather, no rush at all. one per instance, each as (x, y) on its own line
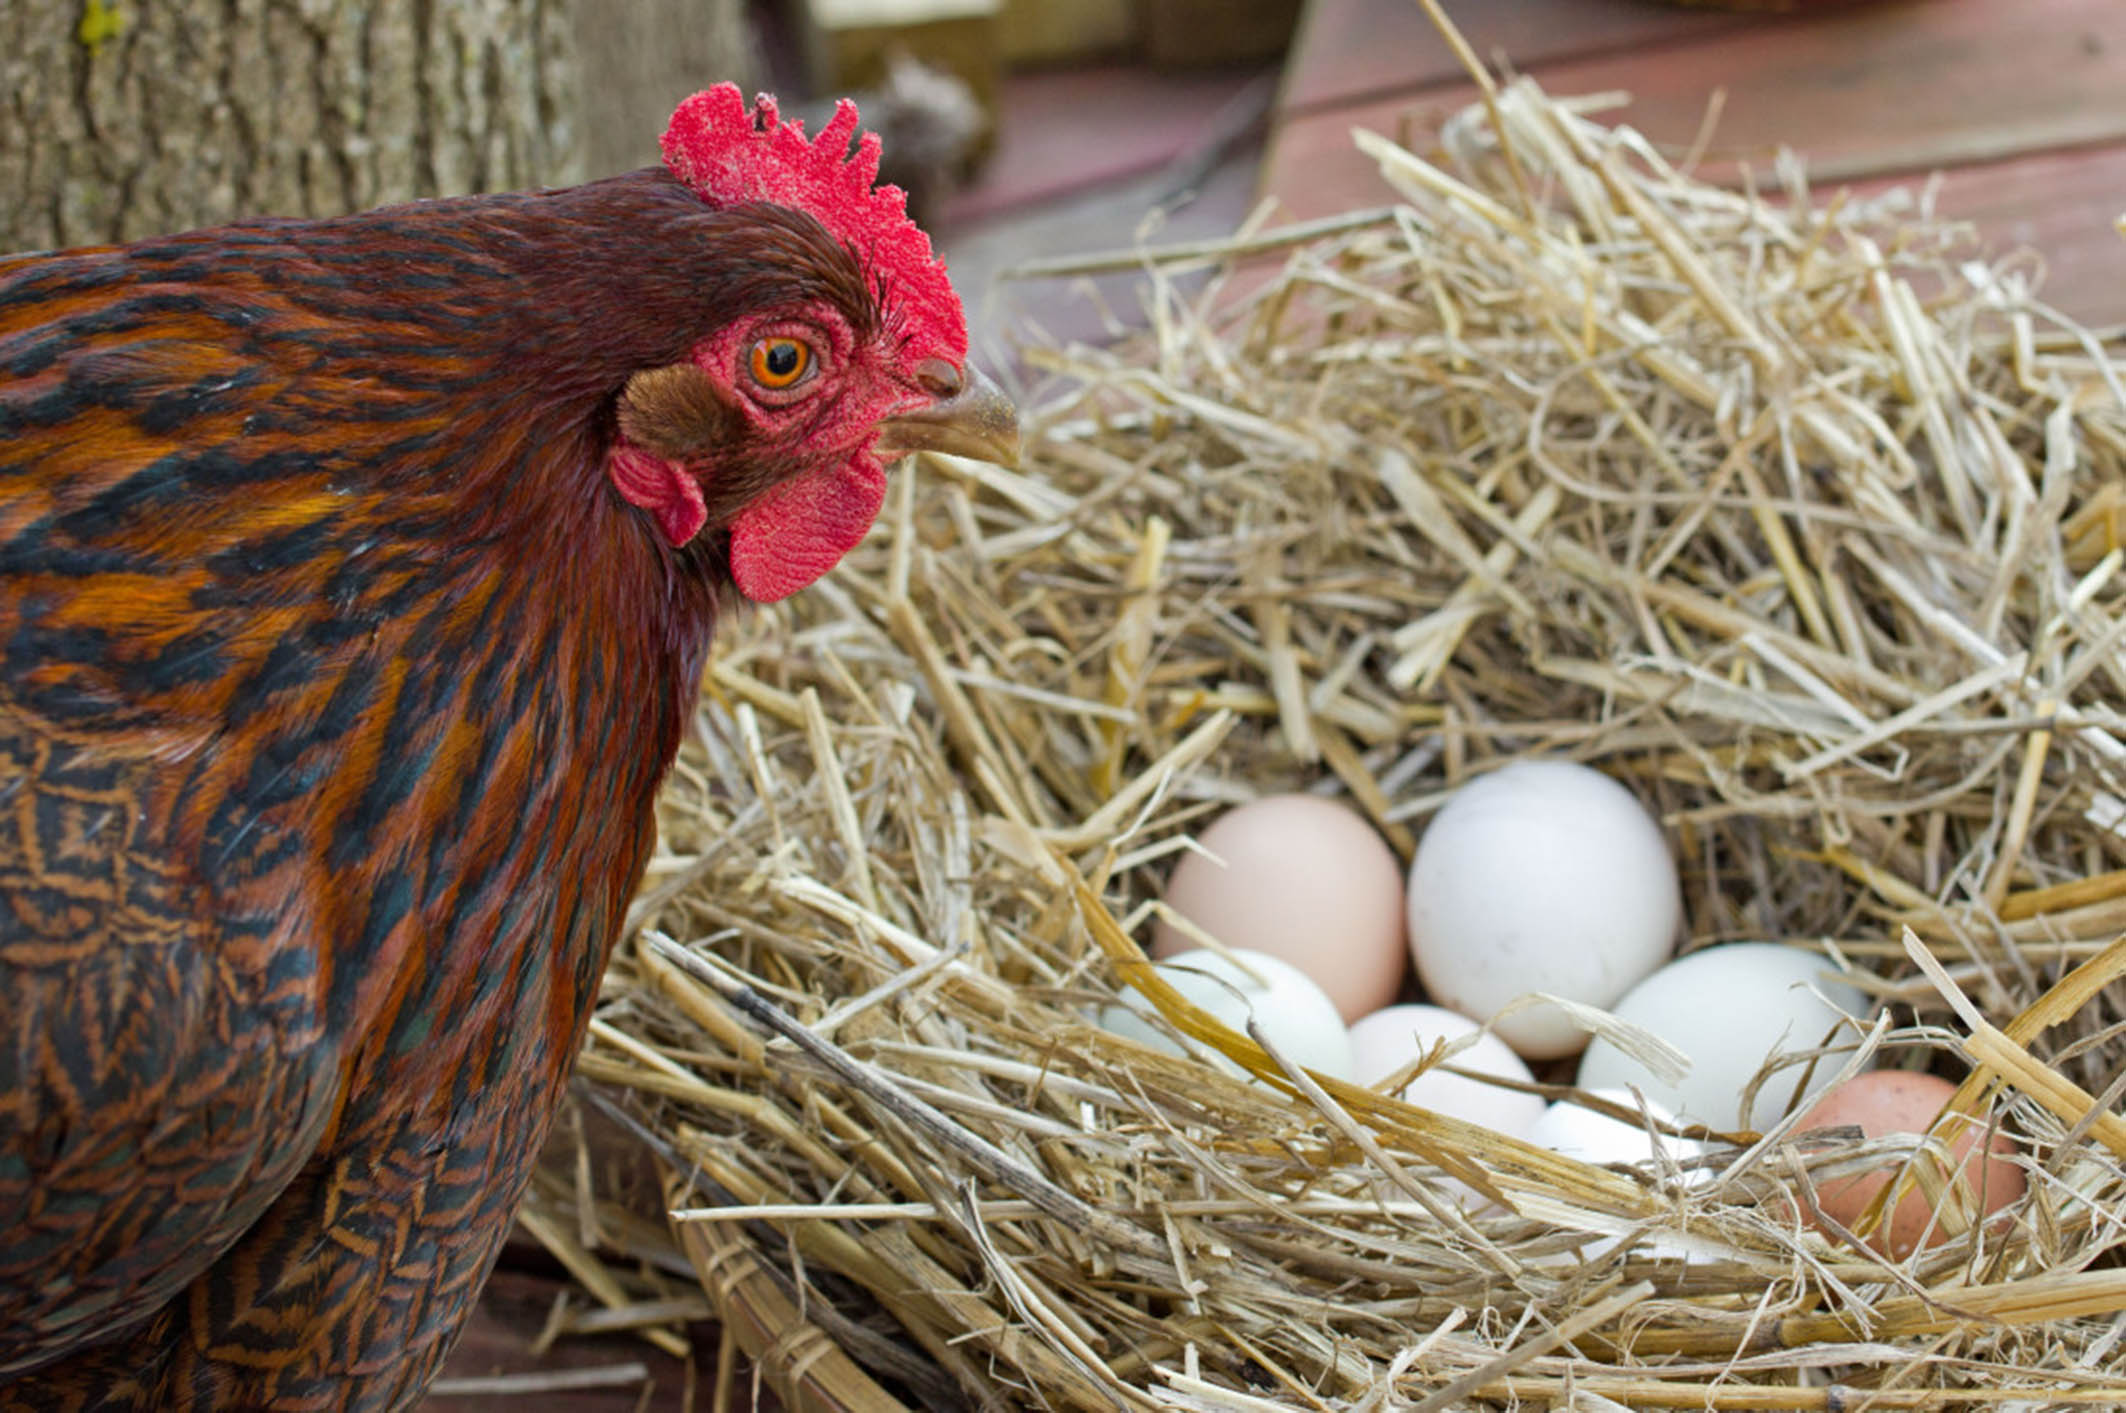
(336, 684)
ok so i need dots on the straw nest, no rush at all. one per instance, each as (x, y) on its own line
(1798, 516)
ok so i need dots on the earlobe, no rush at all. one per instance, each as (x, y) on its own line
(660, 486)
(666, 414)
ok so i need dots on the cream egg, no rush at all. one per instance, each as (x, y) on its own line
(1729, 1009)
(1301, 878)
(1900, 1101)
(1540, 876)
(1299, 1020)
(1388, 1040)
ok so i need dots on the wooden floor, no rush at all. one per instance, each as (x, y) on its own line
(501, 1365)
(2021, 104)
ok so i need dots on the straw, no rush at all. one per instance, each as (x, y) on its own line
(1800, 517)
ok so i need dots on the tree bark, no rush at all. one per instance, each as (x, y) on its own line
(640, 57)
(126, 118)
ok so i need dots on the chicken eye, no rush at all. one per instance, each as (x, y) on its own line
(779, 363)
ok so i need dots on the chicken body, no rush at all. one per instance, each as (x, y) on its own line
(337, 677)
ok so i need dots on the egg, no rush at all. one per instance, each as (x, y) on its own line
(1900, 1101)
(1597, 1138)
(1729, 1009)
(1387, 1040)
(1540, 876)
(1304, 879)
(1575, 1132)
(1294, 1013)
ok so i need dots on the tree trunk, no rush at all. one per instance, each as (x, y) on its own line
(126, 118)
(640, 57)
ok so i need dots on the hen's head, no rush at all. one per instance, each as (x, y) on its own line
(778, 425)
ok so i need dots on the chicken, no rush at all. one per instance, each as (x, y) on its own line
(356, 577)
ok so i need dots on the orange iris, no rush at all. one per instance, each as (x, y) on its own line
(780, 362)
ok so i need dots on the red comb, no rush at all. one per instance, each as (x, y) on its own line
(729, 155)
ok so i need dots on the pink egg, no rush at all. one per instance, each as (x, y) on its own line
(1900, 1101)
(1303, 879)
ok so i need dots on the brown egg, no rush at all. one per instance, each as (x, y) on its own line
(1306, 880)
(1899, 1101)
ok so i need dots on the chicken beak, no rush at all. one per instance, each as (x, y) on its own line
(977, 421)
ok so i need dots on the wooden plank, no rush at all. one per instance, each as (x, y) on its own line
(1351, 50)
(1313, 169)
(1888, 88)
(2061, 204)
(1862, 92)
(498, 1341)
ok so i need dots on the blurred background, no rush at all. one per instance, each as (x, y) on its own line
(1030, 134)
(1033, 129)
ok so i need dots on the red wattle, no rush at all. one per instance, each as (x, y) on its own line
(799, 530)
(661, 487)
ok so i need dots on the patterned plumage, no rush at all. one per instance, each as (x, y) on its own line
(355, 581)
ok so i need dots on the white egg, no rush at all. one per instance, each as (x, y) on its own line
(1540, 876)
(1295, 1014)
(1389, 1039)
(1729, 1009)
(1597, 1138)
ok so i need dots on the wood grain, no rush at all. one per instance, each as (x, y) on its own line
(1348, 51)
(2020, 105)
